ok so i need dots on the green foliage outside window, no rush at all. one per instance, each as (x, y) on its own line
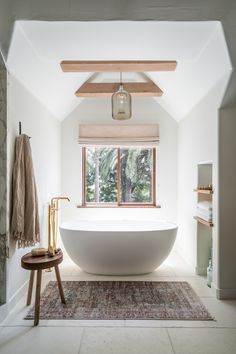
(136, 173)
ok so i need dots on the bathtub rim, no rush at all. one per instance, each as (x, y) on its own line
(74, 223)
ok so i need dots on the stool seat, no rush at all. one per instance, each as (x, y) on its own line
(41, 262)
(38, 264)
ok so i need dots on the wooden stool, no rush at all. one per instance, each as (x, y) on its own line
(40, 263)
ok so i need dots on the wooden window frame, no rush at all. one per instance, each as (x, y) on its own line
(118, 204)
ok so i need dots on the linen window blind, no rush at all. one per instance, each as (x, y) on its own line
(119, 135)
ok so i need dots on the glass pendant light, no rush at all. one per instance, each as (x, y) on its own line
(121, 103)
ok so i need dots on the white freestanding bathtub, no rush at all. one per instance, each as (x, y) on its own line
(118, 247)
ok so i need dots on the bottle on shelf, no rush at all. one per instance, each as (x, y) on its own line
(209, 273)
(209, 270)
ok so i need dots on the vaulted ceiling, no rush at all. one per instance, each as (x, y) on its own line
(38, 47)
(132, 10)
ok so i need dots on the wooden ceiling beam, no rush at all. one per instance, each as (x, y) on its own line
(107, 89)
(118, 65)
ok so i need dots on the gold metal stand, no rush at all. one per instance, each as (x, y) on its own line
(53, 225)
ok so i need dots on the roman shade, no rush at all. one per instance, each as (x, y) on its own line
(118, 135)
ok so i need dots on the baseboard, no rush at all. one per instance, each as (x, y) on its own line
(5, 309)
(3, 312)
(224, 294)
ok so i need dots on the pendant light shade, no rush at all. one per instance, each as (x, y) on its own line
(121, 104)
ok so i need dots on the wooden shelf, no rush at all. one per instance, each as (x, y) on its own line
(204, 222)
(203, 191)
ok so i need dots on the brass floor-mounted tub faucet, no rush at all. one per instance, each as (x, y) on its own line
(53, 224)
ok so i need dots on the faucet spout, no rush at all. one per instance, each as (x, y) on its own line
(54, 199)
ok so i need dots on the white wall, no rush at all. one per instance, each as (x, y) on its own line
(44, 131)
(198, 140)
(145, 110)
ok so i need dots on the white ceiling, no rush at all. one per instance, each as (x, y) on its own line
(38, 47)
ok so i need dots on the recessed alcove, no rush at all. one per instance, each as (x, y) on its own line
(204, 230)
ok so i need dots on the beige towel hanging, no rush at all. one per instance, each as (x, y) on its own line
(25, 218)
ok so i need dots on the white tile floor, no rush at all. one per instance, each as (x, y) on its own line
(118, 337)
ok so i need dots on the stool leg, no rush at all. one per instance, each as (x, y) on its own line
(37, 297)
(31, 282)
(60, 284)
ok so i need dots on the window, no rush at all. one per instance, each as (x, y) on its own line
(118, 176)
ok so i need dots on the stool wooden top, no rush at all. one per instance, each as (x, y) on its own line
(41, 262)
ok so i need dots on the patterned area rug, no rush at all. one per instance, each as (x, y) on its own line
(119, 300)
